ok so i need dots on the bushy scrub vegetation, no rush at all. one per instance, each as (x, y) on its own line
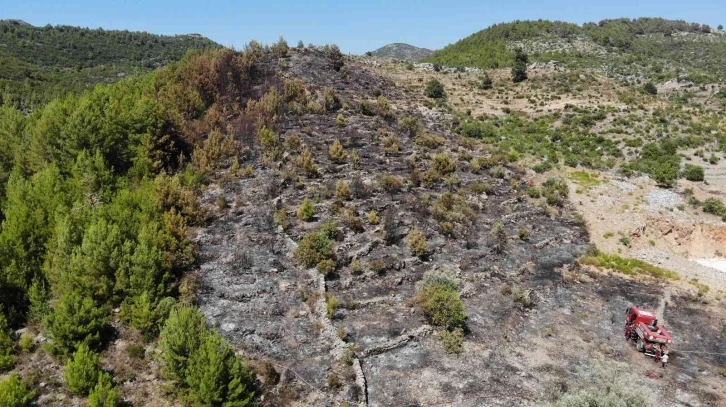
(660, 160)
(440, 300)
(314, 248)
(549, 137)
(435, 89)
(306, 211)
(693, 172)
(627, 266)
(555, 191)
(650, 88)
(606, 385)
(416, 242)
(714, 206)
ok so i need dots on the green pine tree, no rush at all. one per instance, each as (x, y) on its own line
(216, 376)
(82, 371)
(183, 333)
(104, 394)
(519, 69)
(76, 320)
(146, 313)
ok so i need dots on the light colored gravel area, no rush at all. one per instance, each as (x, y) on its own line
(625, 186)
(687, 268)
(663, 199)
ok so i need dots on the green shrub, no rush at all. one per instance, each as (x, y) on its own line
(499, 237)
(542, 167)
(497, 172)
(280, 218)
(183, 333)
(534, 192)
(625, 241)
(306, 211)
(314, 248)
(714, 206)
(693, 172)
(373, 217)
(430, 141)
(306, 162)
(331, 100)
(14, 392)
(136, 351)
(443, 164)
(82, 371)
(522, 296)
(342, 190)
(650, 88)
(384, 107)
(443, 278)
(390, 183)
(571, 160)
(337, 153)
(702, 288)
(326, 267)
(665, 173)
(486, 82)
(271, 144)
(410, 125)
(331, 304)
(453, 341)
(27, 342)
(336, 60)
(523, 234)
(104, 394)
(442, 305)
(435, 89)
(417, 242)
(555, 191)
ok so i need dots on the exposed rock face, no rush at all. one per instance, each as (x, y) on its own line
(401, 51)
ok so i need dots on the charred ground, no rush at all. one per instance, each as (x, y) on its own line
(357, 336)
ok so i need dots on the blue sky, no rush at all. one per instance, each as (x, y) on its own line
(357, 26)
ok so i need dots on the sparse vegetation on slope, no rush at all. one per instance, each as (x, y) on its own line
(404, 52)
(652, 47)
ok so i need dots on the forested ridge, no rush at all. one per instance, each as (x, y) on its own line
(98, 191)
(38, 64)
(657, 47)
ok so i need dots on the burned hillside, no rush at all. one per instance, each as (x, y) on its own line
(392, 196)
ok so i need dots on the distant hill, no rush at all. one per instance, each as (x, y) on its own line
(402, 51)
(652, 48)
(39, 63)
